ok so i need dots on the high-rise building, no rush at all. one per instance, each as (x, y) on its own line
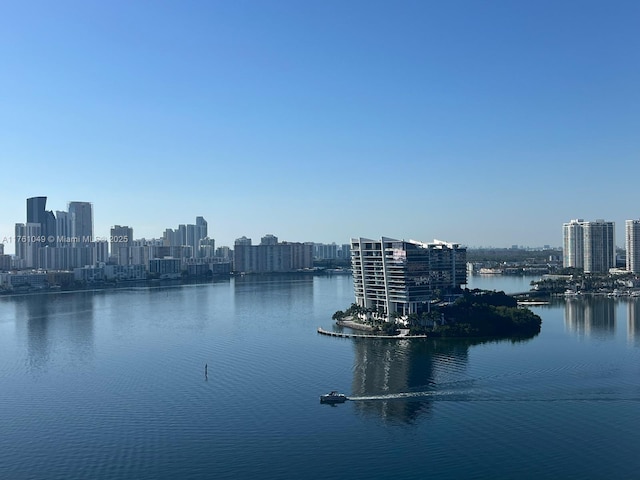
(101, 251)
(201, 231)
(345, 251)
(244, 256)
(589, 245)
(62, 257)
(599, 246)
(322, 251)
(632, 244)
(394, 276)
(60, 241)
(63, 228)
(37, 213)
(121, 242)
(573, 244)
(38, 232)
(36, 209)
(28, 243)
(187, 235)
(171, 237)
(81, 223)
(207, 248)
(269, 239)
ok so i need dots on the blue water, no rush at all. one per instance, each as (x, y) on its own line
(111, 385)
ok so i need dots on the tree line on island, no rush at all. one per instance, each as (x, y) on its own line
(475, 313)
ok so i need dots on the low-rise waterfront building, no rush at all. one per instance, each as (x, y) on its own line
(166, 267)
(60, 279)
(32, 280)
(5, 263)
(125, 272)
(89, 274)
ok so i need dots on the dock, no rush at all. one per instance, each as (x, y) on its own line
(358, 335)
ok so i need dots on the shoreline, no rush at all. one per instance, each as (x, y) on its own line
(355, 325)
(358, 335)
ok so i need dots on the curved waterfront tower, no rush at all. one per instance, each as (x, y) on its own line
(395, 276)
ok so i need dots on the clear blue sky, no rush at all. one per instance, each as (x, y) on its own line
(478, 122)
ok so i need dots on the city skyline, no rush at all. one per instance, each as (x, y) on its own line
(35, 212)
(488, 124)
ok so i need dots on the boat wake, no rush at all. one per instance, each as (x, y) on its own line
(395, 396)
(497, 397)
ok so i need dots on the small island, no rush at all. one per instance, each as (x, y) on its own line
(414, 289)
(474, 313)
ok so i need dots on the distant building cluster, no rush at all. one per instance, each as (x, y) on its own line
(65, 241)
(62, 241)
(60, 248)
(402, 277)
(590, 245)
(323, 251)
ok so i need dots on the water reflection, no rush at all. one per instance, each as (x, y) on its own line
(400, 379)
(259, 291)
(36, 313)
(56, 326)
(633, 321)
(590, 315)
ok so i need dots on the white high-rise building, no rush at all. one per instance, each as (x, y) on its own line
(101, 254)
(632, 244)
(28, 242)
(599, 246)
(589, 245)
(63, 228)
(573, 243)
(121, 241)
(81, 214)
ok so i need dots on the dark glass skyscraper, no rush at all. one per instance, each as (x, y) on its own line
(37, 213)
(36, 209)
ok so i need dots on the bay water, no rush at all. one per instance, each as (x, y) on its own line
(111, 384)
